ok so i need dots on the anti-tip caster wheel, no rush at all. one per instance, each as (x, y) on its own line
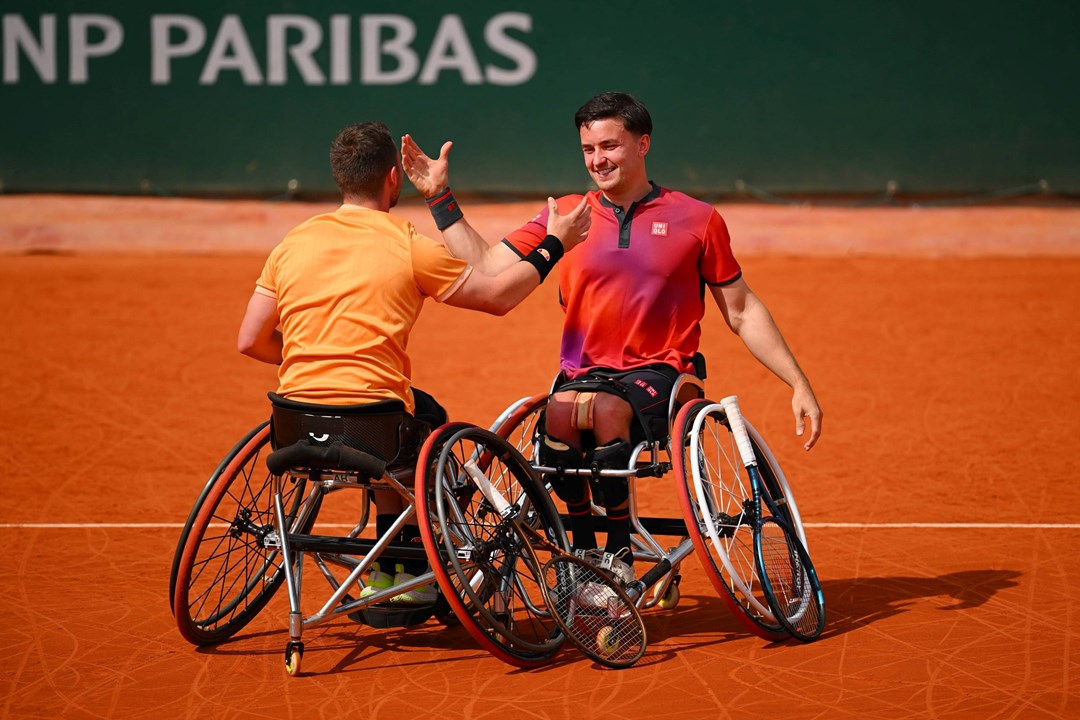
(294, 654)
(671, 596)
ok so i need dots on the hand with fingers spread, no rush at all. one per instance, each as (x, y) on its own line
(428, 176)
(572, 228)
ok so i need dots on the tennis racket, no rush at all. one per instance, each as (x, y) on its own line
(788, 578)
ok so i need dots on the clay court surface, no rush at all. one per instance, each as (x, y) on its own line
(942, 501)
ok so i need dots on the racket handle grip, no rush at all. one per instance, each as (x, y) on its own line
(738, 429)
(488, 490)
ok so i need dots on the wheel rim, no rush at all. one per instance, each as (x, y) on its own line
(226, 576)
(487, 574)
(710, 554)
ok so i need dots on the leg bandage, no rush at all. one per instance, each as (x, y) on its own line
(582, 417)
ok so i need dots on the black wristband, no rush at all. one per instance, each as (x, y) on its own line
(544, 257)
(444, 209)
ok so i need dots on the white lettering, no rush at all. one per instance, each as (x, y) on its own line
(299, 49)
(496, 38)
(231, 51)
(81, 47)
(373, 49)
(162, 51)
(450, 50)
(340, 72)
(42, 56)
(277, 26)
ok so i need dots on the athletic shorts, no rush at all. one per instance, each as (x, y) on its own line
(647, 389)
(428, 409)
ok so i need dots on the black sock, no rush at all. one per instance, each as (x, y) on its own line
(382, 526)
(581, 526)
(618, 535)
(410, 535)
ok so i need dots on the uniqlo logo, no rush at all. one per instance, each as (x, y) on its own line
(648, 388)
(659, 228)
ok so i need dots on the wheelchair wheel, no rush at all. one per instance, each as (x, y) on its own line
(717, 502)
(222, 576)
(521, 424)
(487, 570)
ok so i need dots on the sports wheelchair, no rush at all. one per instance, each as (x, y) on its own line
(763, 573)
(254, 524)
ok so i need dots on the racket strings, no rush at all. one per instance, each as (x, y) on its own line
(596, 618)
(788, 578)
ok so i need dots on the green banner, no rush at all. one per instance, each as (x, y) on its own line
(785, 96)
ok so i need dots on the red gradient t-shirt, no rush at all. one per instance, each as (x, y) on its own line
(634, 290)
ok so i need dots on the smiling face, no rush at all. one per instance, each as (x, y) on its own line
(615, 159)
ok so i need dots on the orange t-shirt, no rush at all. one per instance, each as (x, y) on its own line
(349, 286)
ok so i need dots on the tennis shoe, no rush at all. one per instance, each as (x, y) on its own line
(422, 595)
(376, 581)
(610, 564)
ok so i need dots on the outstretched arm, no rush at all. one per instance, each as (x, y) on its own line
(431, 177)
(748, 318)
(499, 293)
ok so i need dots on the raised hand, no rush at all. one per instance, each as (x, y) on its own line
(571, 228)
(427, 176)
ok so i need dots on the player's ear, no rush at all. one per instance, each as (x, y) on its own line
(644, 143)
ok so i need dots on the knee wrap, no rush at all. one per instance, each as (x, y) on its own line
(556, 454)
(559, 455)
(614, 491)
(571, 489)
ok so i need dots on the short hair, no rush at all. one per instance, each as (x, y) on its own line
(631, 111)
(360, 157)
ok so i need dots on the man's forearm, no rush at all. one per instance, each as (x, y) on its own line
(464, 242)
(763, 339)
(467, 244)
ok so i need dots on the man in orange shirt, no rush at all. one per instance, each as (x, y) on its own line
(338, 297)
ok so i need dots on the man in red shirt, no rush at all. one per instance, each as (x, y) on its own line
(634, 296)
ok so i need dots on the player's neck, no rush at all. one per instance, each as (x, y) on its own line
(626, 198)
(364, 202)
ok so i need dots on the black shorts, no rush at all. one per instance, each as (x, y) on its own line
(647, 389)
(427, 415)
(428, 409)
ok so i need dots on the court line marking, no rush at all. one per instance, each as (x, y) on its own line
(869, 526)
